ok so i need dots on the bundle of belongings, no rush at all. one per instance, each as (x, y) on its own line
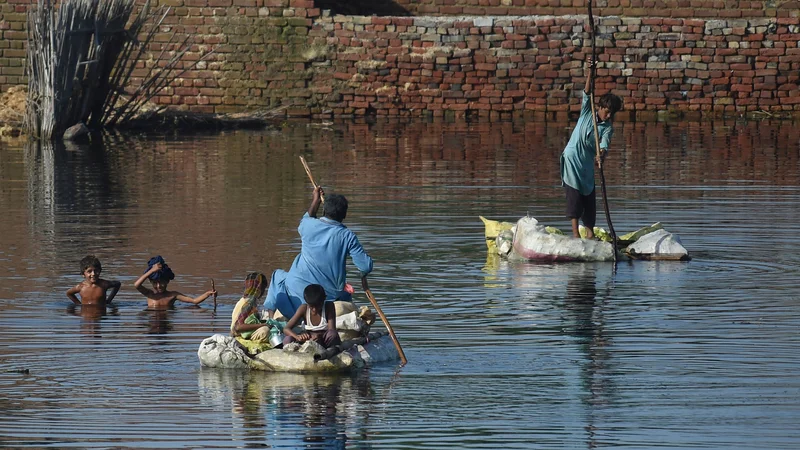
(528, 239)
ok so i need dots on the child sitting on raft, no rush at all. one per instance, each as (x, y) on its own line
(93, 289)
(318, 317)
(160, 275)
(255, 285)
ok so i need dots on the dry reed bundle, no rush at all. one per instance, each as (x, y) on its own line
(80, 60)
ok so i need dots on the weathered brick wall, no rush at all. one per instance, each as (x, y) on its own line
(628, 8)
(288, 53)
(409, 66)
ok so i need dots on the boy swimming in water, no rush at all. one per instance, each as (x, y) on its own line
(93, 289)
(159, 297)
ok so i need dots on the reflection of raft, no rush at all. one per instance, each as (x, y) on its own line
(225, 352)
(529, 240)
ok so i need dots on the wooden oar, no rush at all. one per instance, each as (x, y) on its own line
(310, 177)
(374, 302)
(593, 70)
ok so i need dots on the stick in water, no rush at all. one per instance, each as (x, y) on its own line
(597, 137)
(374, 302)
(213, 288)
(310, 177)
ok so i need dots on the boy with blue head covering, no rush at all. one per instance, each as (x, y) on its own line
(159, 274)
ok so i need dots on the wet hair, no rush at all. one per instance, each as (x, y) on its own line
(314, 295)
(612, 102)
(90, 261)
(335, 207)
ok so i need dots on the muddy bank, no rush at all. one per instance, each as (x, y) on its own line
(13, 104)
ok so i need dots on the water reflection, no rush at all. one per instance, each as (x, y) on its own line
(701, 351)
(91, 317)
(584, 320)
(291, 410)
(159, 321)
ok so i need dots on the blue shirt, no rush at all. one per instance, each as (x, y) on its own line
(577, 160)
(326, 244)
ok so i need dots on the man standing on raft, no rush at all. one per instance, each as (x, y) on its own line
(579, 157)
(326, 243)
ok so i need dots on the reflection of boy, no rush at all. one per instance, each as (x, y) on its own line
(92, 290)
(580, 156)
(326, 243)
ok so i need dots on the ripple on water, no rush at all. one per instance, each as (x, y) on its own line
(512, 355)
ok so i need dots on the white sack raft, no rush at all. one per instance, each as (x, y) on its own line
(530, 240)
(225, 352)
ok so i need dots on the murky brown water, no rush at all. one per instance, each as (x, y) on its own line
(676, 355)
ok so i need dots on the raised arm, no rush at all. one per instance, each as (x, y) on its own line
(114, 286)
(197, 300)
(316, 200)
(71, 294)
(588, 87)
(138, 283)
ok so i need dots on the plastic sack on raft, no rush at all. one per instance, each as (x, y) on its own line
(224, 352)
(635, 235)
(493, 229)
(533, 242)
(659, 244)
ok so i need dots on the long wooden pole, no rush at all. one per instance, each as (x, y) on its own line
(374, 302)
(593, 70)
(310, 177)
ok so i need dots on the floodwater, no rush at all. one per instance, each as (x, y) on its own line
(694, 355)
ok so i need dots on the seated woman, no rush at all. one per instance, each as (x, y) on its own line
(318, 317)
(255, 285)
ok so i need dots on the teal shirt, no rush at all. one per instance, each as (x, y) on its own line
(577, 160)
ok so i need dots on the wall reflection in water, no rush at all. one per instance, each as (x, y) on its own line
(291, 410)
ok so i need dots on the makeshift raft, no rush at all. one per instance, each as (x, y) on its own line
(529, 240)
(225, 352)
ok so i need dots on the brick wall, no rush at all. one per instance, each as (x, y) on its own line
(409, 66)
(290, 53)
(628, 8)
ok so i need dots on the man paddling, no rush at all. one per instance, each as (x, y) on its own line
(326, 243)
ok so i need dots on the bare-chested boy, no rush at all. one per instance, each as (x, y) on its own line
(159, 297)
(92, 290)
